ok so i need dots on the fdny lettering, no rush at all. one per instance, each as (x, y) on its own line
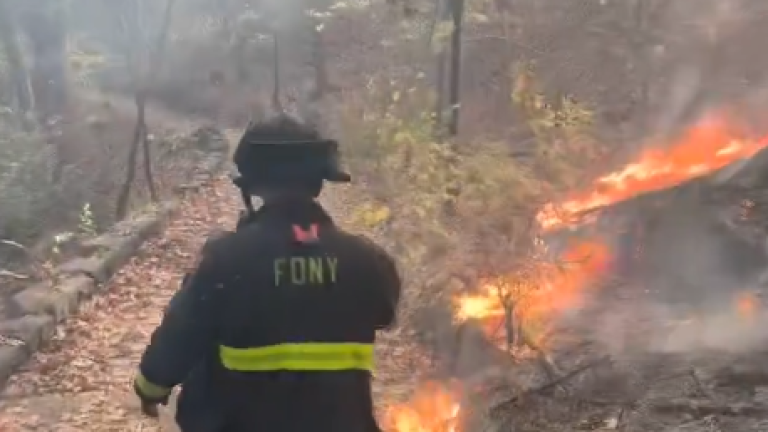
(303, 270)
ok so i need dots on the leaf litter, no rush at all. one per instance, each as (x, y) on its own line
(81, 380)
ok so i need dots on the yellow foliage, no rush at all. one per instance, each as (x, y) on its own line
(80, 60)
(435, 193)
(370, 215)
(476, 17)
(435, 197)
(441, 35)
(562, 130)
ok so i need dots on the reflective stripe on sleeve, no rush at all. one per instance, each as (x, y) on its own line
(150, 389)
(299, 357)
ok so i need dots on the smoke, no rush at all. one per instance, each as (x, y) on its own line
(697, 289)
(723, 330)
(684, 300)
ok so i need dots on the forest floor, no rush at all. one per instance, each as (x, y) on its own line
(82, 379)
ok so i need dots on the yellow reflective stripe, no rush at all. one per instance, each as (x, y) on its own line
(151, 389)
(299, 357)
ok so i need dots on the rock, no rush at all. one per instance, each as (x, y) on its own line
(210, 139)
(11, 359)
(112, 250)
(21, 338)
(59, 302)
(28, 332)
(91, 267)
(37, 308)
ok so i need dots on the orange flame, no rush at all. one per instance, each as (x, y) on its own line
(747, 305)
(432, 409)
(562, 287)
(706, 147)
(540, 294)
(709, 145)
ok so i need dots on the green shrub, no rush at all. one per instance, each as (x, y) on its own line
(26, 188)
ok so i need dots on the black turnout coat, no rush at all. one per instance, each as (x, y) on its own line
(274, 330)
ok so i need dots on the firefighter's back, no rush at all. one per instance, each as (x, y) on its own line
(303, 302)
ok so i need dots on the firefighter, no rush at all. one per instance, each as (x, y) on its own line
(275, 329)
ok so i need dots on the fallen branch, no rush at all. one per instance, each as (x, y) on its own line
(12, 275)
(509, 403)
(702, 408)
(545, 361)
(42, 271)
(706, 423)
(741, 377)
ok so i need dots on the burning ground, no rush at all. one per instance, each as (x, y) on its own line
(585, 334)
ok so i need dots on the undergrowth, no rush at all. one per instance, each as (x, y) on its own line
(26, 188)
(447, 186)
(436, 199)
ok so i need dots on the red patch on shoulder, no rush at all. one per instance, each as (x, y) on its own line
(306, 236)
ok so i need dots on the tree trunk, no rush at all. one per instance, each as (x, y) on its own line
(504, 9)
(142, 80)
(440, 90)
(642, 60)
(323, 84)
(139, 131)
(442, 16)
(239, 52)
(46, 30)
(155, 65)
(146, 147)
(19, 75)
(277, 104)
(457, 12)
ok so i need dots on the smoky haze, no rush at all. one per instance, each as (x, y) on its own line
(648, 69)
(221, 49)
(695, 265)
(644, 69)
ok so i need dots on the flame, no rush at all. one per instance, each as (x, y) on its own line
(542, 292)
(562, 286)
(432, 409)
(747, 305)
(708, 146)
(483, 305)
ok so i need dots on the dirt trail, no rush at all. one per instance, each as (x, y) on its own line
(81, 381)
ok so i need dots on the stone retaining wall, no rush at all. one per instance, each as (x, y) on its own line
(30, 316)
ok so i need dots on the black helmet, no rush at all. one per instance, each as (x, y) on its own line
(284, 150)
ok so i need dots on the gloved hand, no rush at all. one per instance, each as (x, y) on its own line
(150, 395)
